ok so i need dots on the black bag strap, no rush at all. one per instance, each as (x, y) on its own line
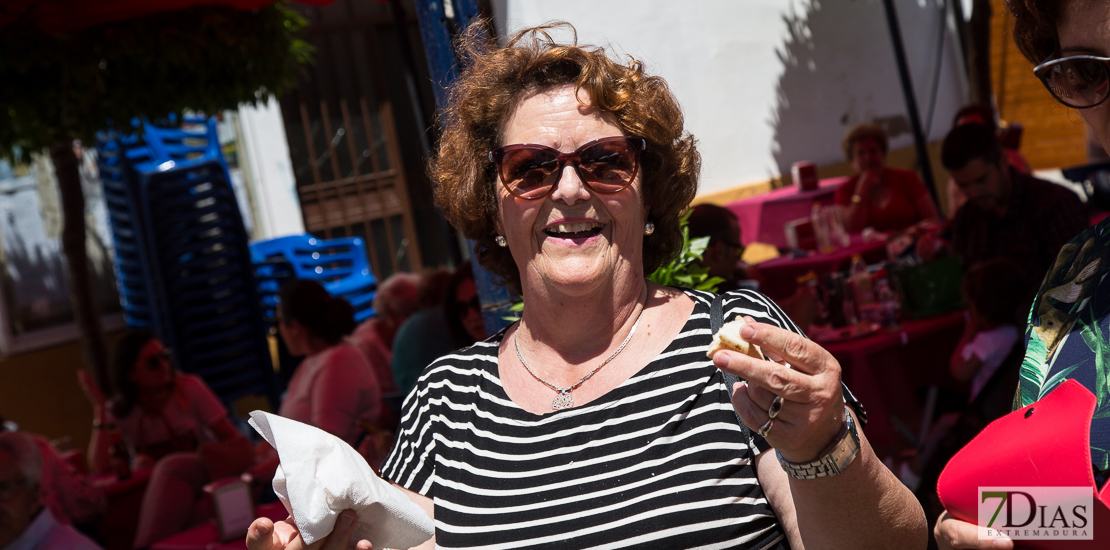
(716, 319)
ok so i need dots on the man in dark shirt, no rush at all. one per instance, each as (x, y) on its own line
(1008, 214)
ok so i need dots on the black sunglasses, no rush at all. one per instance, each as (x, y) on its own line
(472, 303)
(606, 165)
(1078, 81)
(154, 362)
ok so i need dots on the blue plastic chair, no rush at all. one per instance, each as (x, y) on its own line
(339, 264)
(204, 277)
(131, 267)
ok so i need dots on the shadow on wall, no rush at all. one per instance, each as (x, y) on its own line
(33, 277)
(839, 71)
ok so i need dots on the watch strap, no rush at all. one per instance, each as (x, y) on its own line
(844, 451)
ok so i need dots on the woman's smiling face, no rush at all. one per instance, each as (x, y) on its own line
(574, 239)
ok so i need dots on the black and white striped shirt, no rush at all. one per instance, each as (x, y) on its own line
(658, 461)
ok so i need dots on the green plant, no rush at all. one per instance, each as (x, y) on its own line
(682, 271)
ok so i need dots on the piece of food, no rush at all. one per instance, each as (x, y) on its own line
(729, 338)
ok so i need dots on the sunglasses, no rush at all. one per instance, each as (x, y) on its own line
(154, 362)
(1078, 81)
(606, 165)
(472, 304)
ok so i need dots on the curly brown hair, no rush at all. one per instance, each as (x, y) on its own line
(861, 132)
(498, 77)
(1035, 23)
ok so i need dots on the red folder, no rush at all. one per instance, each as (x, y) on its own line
(1047, 447)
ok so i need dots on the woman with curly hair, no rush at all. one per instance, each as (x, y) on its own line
(597, 420)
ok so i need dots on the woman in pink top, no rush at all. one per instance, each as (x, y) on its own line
(334, 387)
(887, 199)
(163, 417)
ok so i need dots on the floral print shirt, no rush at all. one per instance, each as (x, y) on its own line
(1069, 326)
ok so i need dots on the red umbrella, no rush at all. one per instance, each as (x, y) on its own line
(58, 16)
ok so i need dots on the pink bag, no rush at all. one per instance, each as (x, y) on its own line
(1046, 444)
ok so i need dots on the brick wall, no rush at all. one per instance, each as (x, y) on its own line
(1054, 136)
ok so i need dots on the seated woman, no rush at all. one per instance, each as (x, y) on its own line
(886, 199)
(597, 420)
(334, 387)
(163, 417)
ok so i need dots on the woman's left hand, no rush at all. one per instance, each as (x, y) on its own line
(807, 378)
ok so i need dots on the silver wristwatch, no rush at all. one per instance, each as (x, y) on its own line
(843, 453)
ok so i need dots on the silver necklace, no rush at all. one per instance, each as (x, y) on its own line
(563, 398)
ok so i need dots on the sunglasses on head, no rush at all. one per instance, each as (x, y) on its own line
(606, 165)
(1078, 81)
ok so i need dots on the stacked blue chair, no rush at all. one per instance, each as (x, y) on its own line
(194, 247)
(131, 266)
(339, 264)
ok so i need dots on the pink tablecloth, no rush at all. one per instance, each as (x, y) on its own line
(125, 499)
(762, 218)
(780, 275)
(884, 370)
(207, 536)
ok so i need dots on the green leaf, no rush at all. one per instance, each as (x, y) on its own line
(1056, 380)
(683, 270)
(1092, 335)
(710, 283)
(1033, 368)
(697, 247)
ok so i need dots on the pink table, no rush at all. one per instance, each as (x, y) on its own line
(780, 275)
(885, 369)
(207, 536)
(762, 218)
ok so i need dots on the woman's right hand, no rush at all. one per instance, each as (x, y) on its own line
(91, 389)
(283, 535)
(952, 533)
(868, 181)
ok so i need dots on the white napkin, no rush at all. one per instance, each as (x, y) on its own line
(321, 475)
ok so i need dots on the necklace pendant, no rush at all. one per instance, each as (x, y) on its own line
(562, 401)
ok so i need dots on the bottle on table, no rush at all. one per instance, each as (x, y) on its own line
(822, 232)
(863, 291)
(889, 305)
(813, 292)
(118, 455)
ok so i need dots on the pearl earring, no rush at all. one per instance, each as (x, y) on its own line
(649, 228)
(501, 241)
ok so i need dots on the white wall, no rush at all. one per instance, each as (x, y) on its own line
(273, 186)
(765, 83)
